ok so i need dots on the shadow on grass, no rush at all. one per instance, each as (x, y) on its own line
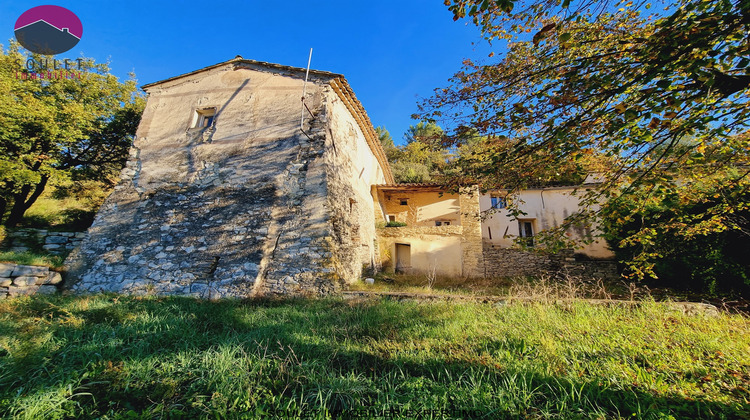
(181, 357)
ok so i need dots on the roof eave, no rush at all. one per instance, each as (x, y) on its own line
(346, 94)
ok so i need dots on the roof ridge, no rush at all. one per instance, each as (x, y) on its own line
(239, 59)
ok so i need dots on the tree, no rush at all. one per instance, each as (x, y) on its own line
(682, 236)
(57, 129)
(606, 79)
(386, 140)
(423, 158)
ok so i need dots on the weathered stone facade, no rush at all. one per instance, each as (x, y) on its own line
(250, 204)
(23, 280)
(471, 237)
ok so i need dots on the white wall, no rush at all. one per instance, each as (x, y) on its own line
(545, 208)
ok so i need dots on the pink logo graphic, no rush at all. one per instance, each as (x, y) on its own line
(48, 30)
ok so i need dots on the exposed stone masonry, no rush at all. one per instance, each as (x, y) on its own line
(192, 241)
(299, 257)
(251, 206)
(22, 280)
(511, 262)
(471, 237)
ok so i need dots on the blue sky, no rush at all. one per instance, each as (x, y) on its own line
(392, 52)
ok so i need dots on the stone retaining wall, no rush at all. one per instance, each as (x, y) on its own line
(21, 240)
(22, 280)
(510, 262)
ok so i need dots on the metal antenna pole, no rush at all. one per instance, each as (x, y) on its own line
(304, 92)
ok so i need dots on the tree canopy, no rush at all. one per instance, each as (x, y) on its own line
(58, 129)
(422, 159)
(652, 97)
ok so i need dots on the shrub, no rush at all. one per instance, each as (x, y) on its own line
(688, 242)
(395, 224)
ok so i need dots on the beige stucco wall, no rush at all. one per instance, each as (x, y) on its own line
(545, 208)
(255, 110)
(423, 208)
(437, 247)
(450, 250)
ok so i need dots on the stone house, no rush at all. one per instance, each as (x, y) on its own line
(235, 188)
(442, 233)
(232, 190)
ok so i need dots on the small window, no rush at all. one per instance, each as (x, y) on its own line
(391, 218)
(442, 223)
(404, 202)
(498, 202)
(526, 230)
(204, 117)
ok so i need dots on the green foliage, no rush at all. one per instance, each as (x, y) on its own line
(62, 214)
(615, 88)
(55, 131)
(391, 151)
(422, 159)
(130, 357)
(394, 223)
(685, 237)
(70, 206)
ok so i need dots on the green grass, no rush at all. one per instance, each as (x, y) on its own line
(127, 357)
(67, 214)
(443, 285)
(32, 258)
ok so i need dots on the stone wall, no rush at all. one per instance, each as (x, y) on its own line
(21, 240)
(351, 170)
(252, 205)
(471, 237)
(22, 280)
(298, 257)
(592, 269)
(512, 262)
(232, 210)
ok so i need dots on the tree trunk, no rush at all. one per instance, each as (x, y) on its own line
(3, 207)
(22, 201)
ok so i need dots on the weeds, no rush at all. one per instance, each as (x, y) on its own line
(548, 288)
(432, 275)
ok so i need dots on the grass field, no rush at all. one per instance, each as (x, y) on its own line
(129, 357)
(32, 258)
